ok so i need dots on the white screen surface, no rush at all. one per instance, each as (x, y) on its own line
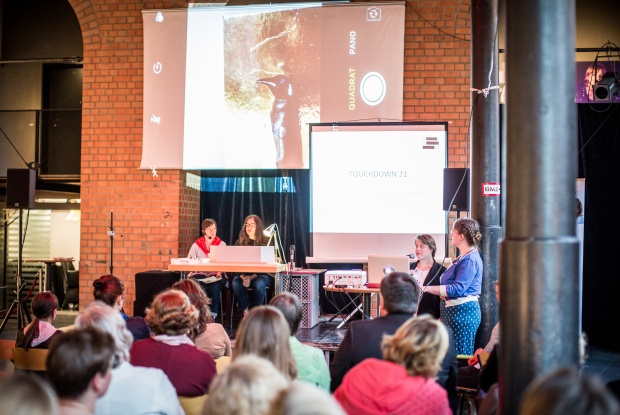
(375, 187)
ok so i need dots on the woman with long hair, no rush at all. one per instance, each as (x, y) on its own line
(251, 235)
(210, 337)
(110, 290)
(172, 318)
(265, 332)
(40, 332)
(461, 285)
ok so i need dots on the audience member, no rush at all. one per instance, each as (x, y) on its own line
(363, 339)
(565, 392)
(403, 382)
(301, 398)
(311, 364)
(79, 369)
(110, 290)
(426, 271)
(24, 394)
(172, 317)
(246, 387)
(133, 390)
(202, 249)
(251, 235)
(40, 332)
(264, 332)
(460, 286)
(210, 337)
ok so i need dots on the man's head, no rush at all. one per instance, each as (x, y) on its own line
(400, 293)
(290, 306)
(80, 360)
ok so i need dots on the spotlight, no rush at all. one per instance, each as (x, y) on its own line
(607, 87)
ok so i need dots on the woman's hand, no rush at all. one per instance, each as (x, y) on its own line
(474, 359)
(247, 278)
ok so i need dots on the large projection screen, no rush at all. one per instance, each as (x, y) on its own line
(374, 187)
(235, 87)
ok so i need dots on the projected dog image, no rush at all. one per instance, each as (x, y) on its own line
(275, 81)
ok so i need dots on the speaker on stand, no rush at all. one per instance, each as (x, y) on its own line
(20, 189)
(455, 193)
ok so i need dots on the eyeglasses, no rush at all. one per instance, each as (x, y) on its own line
(211, 228)
(250, 225)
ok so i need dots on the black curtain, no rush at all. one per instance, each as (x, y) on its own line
(277, 196)
(599, 163)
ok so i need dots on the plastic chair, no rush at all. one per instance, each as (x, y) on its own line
(193, 405)
(31, 359)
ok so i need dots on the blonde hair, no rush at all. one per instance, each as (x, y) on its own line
(265, 333)
(25, 394)
(103, 317)
(302, 398)
(246, 387)
(419, 345)
(172, 314)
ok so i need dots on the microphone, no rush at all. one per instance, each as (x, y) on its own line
(209, 237)
(411, 255)
(291, 255)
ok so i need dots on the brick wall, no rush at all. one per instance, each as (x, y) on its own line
(156, 217)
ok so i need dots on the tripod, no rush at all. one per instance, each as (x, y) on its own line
(18, 304)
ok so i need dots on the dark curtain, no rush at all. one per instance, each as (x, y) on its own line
(599, 163)
(277, 196)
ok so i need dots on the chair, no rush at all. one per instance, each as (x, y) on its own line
(232, 301)
(193, 405)
(221, 363)
(31, 359)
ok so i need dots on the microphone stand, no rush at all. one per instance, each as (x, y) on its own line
(111, 235)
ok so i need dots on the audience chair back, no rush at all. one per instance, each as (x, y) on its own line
(193, 405)
(31, 359)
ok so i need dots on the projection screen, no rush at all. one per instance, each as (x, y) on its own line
(236, 87)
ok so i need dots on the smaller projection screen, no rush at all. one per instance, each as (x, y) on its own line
(235, 87)
(375, 186)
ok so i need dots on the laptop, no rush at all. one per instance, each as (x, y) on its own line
(377, 264)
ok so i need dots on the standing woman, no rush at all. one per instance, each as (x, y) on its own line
(460, 286)
(426, 271)
(202, 249)
(251, 235)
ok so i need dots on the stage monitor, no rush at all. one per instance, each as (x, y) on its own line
(236, 87)
(375, 186)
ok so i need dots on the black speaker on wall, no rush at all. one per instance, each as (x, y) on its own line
(148, 285)
(20, 187)
(455, 189)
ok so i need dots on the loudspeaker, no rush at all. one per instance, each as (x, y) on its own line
(148, 285)
(20, 186)
(455, 189)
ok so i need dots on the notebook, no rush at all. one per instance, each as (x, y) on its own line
(377, 264)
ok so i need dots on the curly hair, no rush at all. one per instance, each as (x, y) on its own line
(199, 299)
(265, 333)
(419, 345)
(470, 229)
(172, 314)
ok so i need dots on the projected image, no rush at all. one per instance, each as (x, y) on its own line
(271, 84)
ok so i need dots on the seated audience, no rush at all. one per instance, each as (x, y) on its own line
(251, 235)
(210, 337)
(246, 387)
(363, 339)
(172, 317)
(264, 332)
(202, 249)
(565, 392)
(133, 390)
(79, 369)
(40, 332)
(301, 398)
(110, 290)
(403, 382)
(311, 364)
(23, 394)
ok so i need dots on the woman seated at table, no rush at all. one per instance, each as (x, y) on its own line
(202, 249)
(426, 271)
(110, 290)
(251, 235)
(40, 332)
(172, 317)
(210, 337)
